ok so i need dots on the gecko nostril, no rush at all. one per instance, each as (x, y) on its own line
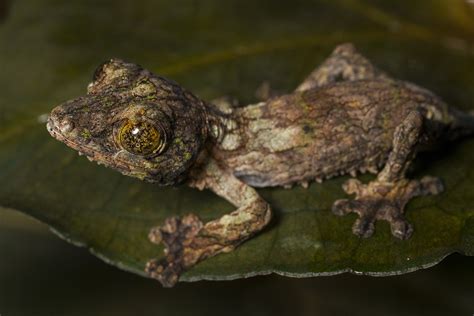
(65, 125)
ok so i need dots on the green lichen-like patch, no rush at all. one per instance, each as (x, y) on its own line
(220, 48)
(86, 134)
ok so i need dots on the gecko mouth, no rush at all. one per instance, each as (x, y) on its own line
(60, 129)
(64, 131)
(54, 129)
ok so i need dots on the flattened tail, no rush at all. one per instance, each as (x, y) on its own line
(462, 123)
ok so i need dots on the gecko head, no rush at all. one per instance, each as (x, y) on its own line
(133, 121)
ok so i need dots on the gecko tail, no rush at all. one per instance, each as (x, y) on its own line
(462, 123)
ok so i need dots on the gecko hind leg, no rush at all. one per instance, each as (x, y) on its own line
(385, 198)
(344, 64)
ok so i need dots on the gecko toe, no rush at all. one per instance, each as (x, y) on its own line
(155, 235)
(164, 271)
(364, 226)
(386, 201)
(401, 229)
(342, 207)
(353, 186)
(431, 185)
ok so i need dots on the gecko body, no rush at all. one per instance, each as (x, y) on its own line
(347, 117)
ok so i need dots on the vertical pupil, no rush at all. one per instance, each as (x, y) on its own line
(140, 138)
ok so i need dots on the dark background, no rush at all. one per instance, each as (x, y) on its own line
(41, 274)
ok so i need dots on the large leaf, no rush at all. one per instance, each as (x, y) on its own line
(49, 49)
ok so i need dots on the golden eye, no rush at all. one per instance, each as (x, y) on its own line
(141, 138)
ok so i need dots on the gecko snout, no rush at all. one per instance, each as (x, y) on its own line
(59, 124)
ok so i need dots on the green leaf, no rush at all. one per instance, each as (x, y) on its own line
(214, 48)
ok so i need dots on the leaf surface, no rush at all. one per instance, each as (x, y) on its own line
(214, 48)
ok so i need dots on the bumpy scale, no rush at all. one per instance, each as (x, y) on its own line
(346, 117)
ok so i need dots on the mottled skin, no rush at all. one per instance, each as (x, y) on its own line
(346, 117)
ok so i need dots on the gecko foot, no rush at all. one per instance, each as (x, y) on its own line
(186, 243)
(177, 234)
(384, 201)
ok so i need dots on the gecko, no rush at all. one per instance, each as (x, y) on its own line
(346, 117)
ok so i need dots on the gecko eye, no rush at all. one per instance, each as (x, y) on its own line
(141, 138)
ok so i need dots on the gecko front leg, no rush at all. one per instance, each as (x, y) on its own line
(385, 198)
(188, 240)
